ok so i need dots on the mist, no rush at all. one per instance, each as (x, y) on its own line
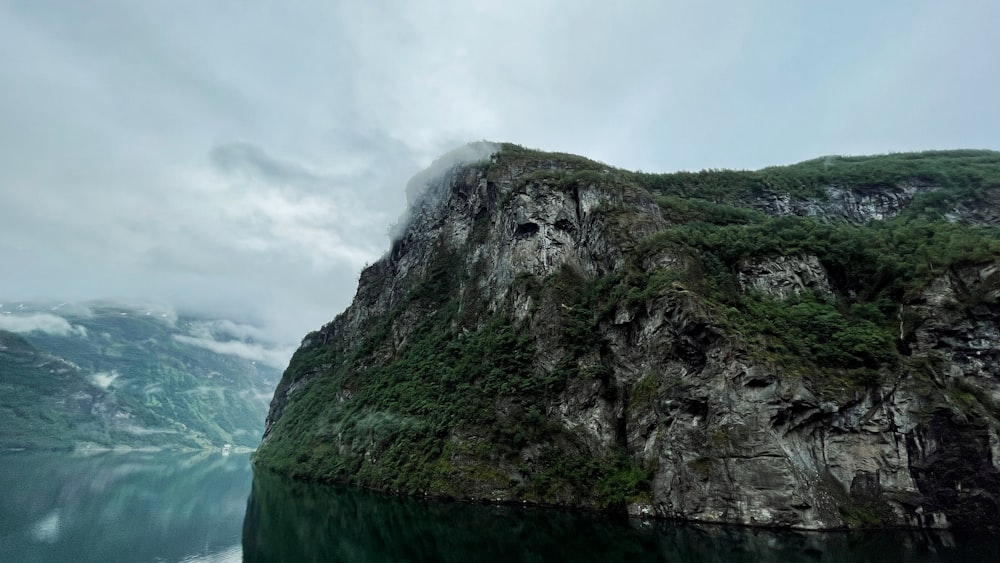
(39, 322)
(429, 186)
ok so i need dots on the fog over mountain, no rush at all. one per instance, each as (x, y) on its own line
(245, 160)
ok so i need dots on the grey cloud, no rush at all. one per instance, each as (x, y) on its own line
(245, 161)
(252, 160)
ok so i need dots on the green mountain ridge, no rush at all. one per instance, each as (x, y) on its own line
(814, 345)
(103, 375)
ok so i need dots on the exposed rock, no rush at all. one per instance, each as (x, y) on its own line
(657, 405)
(857, 205)
(959, 321)
(783, 276)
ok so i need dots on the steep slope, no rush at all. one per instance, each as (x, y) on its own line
(109, 375)
(812, 346)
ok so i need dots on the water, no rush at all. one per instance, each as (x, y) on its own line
(207, 507)
(113, 507)
(289, 521)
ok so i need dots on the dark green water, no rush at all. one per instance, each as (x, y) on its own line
(209, 508)
(289, 521)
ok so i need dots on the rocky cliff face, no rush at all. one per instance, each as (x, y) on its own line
(547, 330)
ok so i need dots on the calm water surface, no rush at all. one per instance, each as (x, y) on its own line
(289, 521)
(116, 507)
(209, 508)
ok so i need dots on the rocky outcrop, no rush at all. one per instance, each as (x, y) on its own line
(854, 204)
(957, 316)
(861, 205)
(783, 276)
(595, 370)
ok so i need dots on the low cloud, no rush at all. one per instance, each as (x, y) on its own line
(428, 186)
(72, 310)
(465, 154)
(104, 379)
(40, 322)
(141, 431)
(224, 329)
(274, 357)
(263, 397)
(163, 313)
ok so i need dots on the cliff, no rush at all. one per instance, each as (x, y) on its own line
(812, 346)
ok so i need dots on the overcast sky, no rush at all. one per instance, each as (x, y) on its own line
(246, 158)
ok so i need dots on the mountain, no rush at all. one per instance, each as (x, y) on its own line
(109, 375)
(813, 346)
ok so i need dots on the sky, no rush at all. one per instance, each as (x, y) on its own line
(246, 159)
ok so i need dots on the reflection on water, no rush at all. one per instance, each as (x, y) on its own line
(122, 507)
(186, 507)
(290, 521)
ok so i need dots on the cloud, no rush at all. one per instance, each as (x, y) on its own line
(164, 152)
(142, 431)
(417, 187)
(40, 322)
(223, 329)
(104, 379)
(420, 189)
(252, 161)
(164, 313)
(274, 357)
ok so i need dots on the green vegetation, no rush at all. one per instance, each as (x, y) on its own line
(397, 430)
(873, 268)
(866, 513)
(518, 156)
(128, 381)
(961, 173)
(445, 378)
(458, 401)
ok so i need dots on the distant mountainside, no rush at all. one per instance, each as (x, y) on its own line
(815, 345)
(110, 375)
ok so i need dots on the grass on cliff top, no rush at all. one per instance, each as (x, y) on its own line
(516, 154)
(961, 170)
(963, 173)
